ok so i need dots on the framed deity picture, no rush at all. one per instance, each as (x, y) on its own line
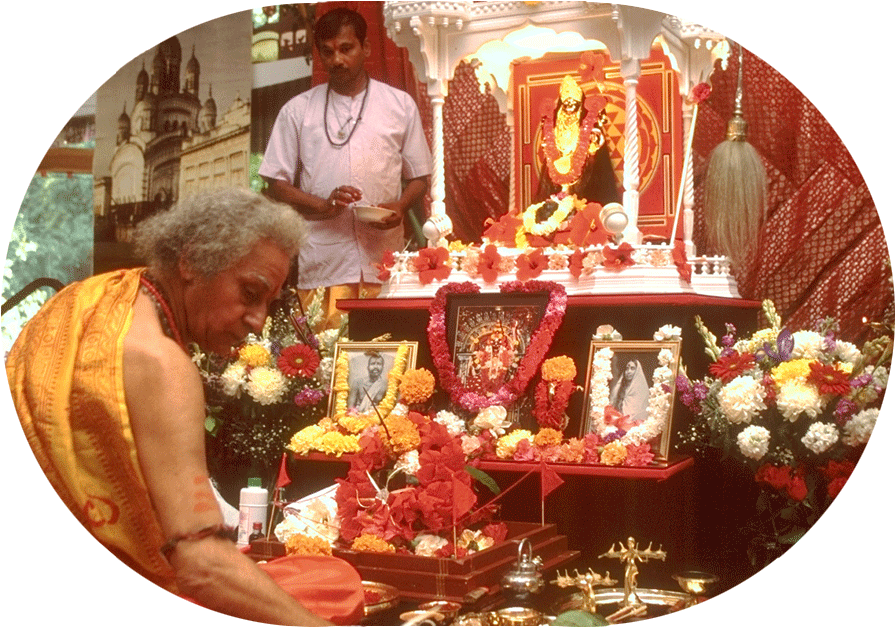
(488, 335)
(630, 390)
(366, 375)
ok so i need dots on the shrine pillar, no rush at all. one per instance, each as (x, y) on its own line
(630, 71)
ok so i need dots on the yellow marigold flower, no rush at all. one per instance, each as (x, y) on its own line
(417, 385)
(255, 355)
(304, 545)
(456, 246)
(371, 543)
(614, 453)
(506, 445)
(306, 439)
(791, 371)
(355, 424)
(336, 444)
(402, 434)
(548, 437)
(558, 369)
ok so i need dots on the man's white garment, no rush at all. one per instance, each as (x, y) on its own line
(388, 144)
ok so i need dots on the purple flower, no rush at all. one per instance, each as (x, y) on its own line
(308, 397)
(782, 352)
(844, 410)
(861, 380)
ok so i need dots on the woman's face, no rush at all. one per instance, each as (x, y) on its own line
(222, 310)
(630, 370)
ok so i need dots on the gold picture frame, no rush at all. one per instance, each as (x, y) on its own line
(367, 374)
(635, 382)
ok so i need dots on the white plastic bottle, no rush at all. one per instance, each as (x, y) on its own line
(252, 508)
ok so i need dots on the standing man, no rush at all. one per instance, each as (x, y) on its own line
(353, 140)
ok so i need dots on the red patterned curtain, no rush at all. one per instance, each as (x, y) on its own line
(822, 249)
(477, 149)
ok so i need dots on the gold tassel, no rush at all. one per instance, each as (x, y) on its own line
(735, 189)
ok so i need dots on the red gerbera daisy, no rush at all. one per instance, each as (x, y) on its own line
(298, 361)
(828, 379)
(732, 365)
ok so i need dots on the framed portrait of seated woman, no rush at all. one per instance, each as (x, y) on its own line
(629, 392)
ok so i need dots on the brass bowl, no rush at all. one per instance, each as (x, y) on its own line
(387, 597)
(449, 610)
(695, 582)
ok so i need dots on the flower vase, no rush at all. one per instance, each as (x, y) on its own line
(763, 550)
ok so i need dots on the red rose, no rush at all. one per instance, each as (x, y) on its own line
(774, 476)
(700, 92)
(796, 488)
(835, 486)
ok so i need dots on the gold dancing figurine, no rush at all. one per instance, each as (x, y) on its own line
(630, 556)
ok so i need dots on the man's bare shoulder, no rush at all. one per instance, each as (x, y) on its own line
(152, 357)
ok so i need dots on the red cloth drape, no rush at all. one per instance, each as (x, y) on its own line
(822, 249)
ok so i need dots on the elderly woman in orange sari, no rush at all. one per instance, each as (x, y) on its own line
(113, 405)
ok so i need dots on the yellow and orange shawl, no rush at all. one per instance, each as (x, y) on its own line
(65, 374)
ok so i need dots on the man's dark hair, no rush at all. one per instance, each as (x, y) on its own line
(330, 23)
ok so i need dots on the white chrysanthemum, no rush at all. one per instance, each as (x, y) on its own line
(662, 375)
(667, 332)
(820, 437)
(233, 378)
(409, 462)
(266, 385)
(753, 441)
(795, 397)
(428, 544)
(881, 376)
(741, 399)
(666, 357)
(858, 428)
(326, 368)
(847, 352)
(807, 344)
(400, 409)
(454, 424)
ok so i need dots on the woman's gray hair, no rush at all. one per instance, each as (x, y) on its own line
(213, 230)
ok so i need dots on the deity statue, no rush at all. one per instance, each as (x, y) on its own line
(574, 151)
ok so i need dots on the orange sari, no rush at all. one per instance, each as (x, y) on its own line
(65, 374)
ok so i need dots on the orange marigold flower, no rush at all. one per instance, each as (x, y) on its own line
(558, 369)
(417, 385)
(548, 437)
(614, 453)
(372, 543)
(402, 434)
(304, 545)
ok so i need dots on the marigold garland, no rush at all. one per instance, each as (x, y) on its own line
(538, 346)
(559, 369)
(372, 543)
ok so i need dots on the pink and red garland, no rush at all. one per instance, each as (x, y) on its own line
(540, 342)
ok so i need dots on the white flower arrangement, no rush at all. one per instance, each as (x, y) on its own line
(493, 419)
(454, 424)
(660, 393)
(820, 437)
(742, 399)
(857, 429)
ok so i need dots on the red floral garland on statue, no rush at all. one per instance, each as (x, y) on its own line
(537, 348)
(551, 152)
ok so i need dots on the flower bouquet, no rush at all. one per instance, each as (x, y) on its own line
(796, 407)
(408, 488)
(269, 387)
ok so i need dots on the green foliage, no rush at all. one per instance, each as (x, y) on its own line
(52, 237)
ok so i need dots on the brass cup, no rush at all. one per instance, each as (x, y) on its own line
(444, 607)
